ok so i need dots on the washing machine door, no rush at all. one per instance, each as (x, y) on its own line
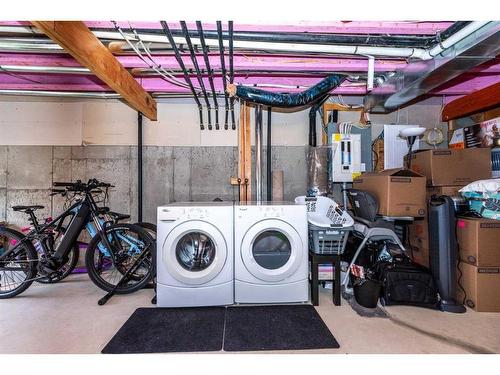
(272, 250)
(195, 252)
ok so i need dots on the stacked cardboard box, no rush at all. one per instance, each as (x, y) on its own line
(479, 244)
(447, 171)
(399, 192)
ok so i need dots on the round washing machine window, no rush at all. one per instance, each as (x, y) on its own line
(195, 251)
(271, 249)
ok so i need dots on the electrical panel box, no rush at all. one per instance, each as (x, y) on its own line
(346, 157)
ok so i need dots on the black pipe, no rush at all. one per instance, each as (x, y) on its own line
(209, 71)
(231, 69)
(312, 120)
(178, 57)
(412, 41)
(139, 167)
(257, 96)
(223, 69)
(269, 178)
(198, 71)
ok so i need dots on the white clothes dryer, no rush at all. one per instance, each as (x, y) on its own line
(271, 253)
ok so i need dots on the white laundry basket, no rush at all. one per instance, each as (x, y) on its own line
(329, 225)
(325, 212)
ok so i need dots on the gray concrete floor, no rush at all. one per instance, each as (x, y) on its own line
(65, 318)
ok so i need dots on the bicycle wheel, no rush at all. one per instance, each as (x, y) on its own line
(66, 269)
(130, 251)
(18, 269)
(150, 228)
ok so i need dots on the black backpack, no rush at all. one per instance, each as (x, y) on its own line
(406, 283)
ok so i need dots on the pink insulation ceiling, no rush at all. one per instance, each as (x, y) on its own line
(277, 72)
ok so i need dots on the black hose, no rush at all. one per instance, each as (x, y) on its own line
(257, 96)
(209, 71)
(231, 69)
(223, 69)
(178, 57)
(198, 71)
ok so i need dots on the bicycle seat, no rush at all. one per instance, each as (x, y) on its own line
(27, 208)
(118, 216)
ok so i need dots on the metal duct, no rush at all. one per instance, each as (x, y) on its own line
(419, 78)
(257, 96)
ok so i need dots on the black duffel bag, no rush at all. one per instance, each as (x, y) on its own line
(406, 283)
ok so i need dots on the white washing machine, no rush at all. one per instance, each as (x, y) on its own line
(195, 254)
(271, 253)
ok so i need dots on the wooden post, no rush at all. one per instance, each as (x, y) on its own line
(245, 154)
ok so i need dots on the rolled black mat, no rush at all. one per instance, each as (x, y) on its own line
(162, 330)
(287, 327)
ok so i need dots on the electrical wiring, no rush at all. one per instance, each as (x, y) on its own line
(173, 81)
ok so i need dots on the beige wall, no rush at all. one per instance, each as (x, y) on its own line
(111, 122)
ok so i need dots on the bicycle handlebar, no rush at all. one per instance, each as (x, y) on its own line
(81, 186)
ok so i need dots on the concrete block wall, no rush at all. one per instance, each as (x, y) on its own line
(170, 174)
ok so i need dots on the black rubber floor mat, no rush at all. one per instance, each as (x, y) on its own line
(162, 330)
(289, 327)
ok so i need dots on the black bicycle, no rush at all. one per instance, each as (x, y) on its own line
(118, 258)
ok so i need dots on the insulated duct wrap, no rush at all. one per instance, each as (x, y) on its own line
(257, 96)
(317, 170)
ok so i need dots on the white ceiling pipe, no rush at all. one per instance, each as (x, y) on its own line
(278, 47)
(45, 69)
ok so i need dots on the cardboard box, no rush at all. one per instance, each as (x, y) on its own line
(481, 285)
(452, 167)
(479, 241)
(443, 190)
(400, 192)
(418, 238)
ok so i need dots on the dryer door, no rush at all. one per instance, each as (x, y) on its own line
(272, 250)
(194, 252)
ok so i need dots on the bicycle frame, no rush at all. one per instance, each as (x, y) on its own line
(85, 215)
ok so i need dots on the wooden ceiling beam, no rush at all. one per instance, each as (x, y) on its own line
(87, 49)
(477, 101)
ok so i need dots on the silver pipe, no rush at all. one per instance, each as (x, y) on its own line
(45, 69)
(258, 153)
(30, 47)
(85, 94)
(64, 94)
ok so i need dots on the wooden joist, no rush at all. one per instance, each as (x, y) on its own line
(478, 101)
(77, 39)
